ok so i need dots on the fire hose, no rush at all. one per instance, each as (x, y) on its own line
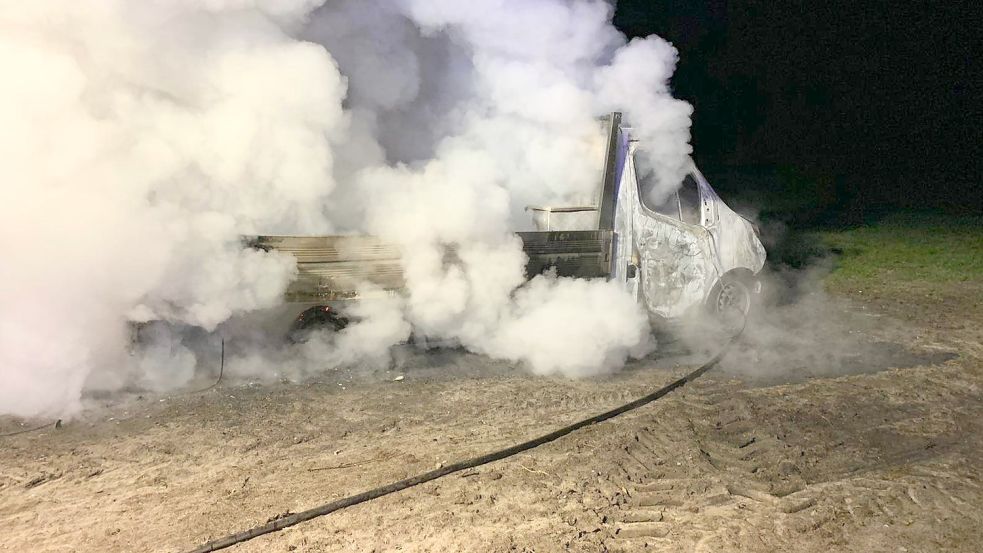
(280, 523)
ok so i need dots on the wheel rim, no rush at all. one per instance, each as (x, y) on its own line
(733, 295)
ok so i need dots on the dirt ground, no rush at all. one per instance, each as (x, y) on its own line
(870, 441)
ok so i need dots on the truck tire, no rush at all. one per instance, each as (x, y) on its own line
(319, 317)
(731, 293)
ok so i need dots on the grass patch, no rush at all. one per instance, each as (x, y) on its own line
(907, 250)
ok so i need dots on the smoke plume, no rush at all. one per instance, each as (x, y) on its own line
(141, 140)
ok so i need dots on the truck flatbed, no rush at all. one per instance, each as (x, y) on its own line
(332, 268)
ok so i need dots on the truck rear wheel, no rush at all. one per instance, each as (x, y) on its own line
(319, 317)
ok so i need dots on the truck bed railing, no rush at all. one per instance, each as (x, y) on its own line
(541, 214)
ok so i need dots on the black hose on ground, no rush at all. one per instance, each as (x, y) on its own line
(56, 424)
(328, 508)
(221, 372)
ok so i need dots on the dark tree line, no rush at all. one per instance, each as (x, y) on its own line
(882, 99)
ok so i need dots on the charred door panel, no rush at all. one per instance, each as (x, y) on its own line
(676, 264)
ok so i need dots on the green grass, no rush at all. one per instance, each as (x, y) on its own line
(907, 250)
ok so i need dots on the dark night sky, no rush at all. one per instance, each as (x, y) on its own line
(882, 97)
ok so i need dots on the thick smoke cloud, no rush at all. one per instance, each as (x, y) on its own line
(142, 139)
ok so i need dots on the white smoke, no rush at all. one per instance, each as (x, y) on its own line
(380, 325)
(142, 139)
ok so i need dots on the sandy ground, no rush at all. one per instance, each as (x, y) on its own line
(870, 441)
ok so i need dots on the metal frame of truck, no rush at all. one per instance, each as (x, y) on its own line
(650, 252)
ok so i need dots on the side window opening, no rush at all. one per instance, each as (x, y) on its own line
(668, 205)
(657, 200)
(689, 201)
(681, 205)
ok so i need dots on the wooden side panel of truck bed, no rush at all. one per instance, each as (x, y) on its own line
(330, 268)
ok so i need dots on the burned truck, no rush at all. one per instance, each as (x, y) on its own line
(682, 251)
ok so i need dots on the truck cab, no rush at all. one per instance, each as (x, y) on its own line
(676, 249)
